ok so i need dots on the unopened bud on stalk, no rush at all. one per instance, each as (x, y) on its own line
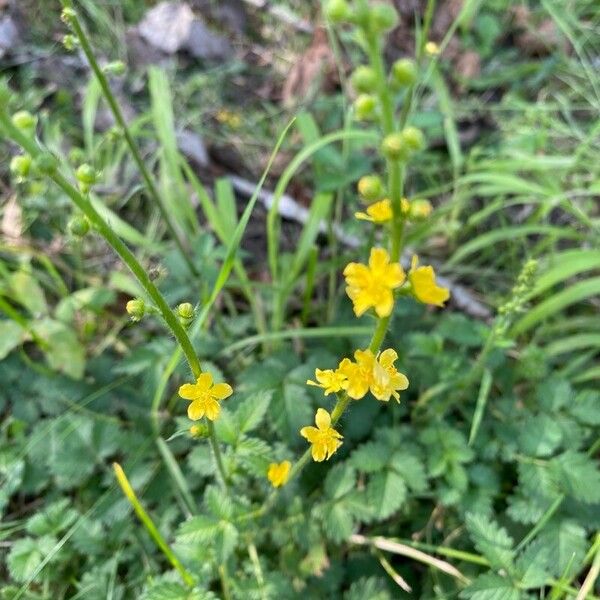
(67, 15)
(420, 209)
(70, 42)
(371, 188)
(79, 226)
(413, 138)
(364, 107)
(337, 11)
(24, 120)
(364, 79)
(114, 68)
(20, 165)
(185, 312)
(86, 177)
(136, 309)
(383, 17)
(199, 431)
(432, 49)
(404, 72)
(394, 147)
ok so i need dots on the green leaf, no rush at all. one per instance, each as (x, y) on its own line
(386, 492)
(367, 589)
(540, 435)
(340, 480)
(226, 541)
(531, 567)
(11, 336)
(411, 469)
(586, 407)
(198, 530)
(491, 540)
(370, 457)
(491, 587)
(64, 352)
(577, 475)
(53, 519)
(28, 292)
(26, 555)
(165, 590)
(567, 545)
(251, 411)
(338, 521)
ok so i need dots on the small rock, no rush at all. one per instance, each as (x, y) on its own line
(9, 35)
(192, 147)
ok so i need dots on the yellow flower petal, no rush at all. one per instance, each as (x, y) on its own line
(322, 419)
(204, 381)
(196, 410)
(278, 474)
(221, 391)
(188, 391)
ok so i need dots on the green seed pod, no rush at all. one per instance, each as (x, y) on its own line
(20, 165)
(404, 72)
(364, 79)
(337, 11)
(383, 17)
(136, 309)
(370, 187)
(185, 312)
(79, 226)
(46, 163)
(413, 138)
(115, 68)
(394, 147)
(364, 107)
(24, 120)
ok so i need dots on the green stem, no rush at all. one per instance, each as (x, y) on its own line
(214, 444)
(120, 119)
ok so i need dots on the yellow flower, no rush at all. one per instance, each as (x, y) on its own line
(358, 374)
(432, 49)
(424, 287)
(373, 285)
(205, 397)
(279, 473)
(331, 381)
(380, 212)
(386, 379)
(404, 206)
(324, 438)
(420, 209)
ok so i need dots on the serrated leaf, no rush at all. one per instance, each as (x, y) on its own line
(491, 540)
(337, 521)
(199, 529)
(540, 435)
(53, 519)
(218, 503)
(26, 555)
(371, 589)
(577, 475)
(567, 544)
(339, 481)
(252, 410)
(586, 407)
(490, 586)
(226, 427)
(11, 336)
(64, 352)
(226, 541)
(386, 492)
(166, 590)
(27, 291)
(370, 457)
(531, 567)
(411, 469)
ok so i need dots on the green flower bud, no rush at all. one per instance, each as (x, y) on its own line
(420, 209)
(24, 120)
(86, 177)
(337, 11)
(76, 156)
(20, 165)
(199, 431)
(136, 309)
(67, 15)
(404, 72)
(394, 147)
(413, 138)
(383, 17)
(185, 312)
(46, 163)
(70, 42)
(115, 68)
(361, 16)
(79, 226)
(364, 79)
(371, 188)
(364, 107)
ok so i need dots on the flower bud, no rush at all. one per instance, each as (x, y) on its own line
(70, 42)
(79, 225)
(420, 209)
(20, 165)
(383, 17)
(67, 15)
(364, 79)
(136, 309)
(86, 177)
(337, 11)
(404, 72)
(371, 188)
(24, 120)
(364, 107)
(394, 147)
(114, 68)
(432, 49)
(185, 312)
(413, 138)
(46, 163)
(199, 431)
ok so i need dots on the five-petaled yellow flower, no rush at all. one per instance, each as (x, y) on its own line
(424, 287)
(373, 285)
(324, 438)
(279, 473)
(358, 374)
(331, 381)
(387, 380)
(379, 212)
(205, 397)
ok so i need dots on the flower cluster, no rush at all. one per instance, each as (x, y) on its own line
(366, 373)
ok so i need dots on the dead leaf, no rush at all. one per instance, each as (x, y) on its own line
(314, 70)
(12, 221)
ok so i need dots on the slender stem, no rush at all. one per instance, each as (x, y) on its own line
(224, 582)
(120, 119)
(214, 444)
(149, 525)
